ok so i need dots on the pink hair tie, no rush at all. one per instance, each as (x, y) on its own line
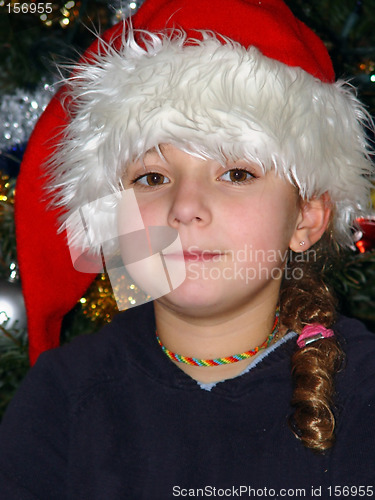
(311, 333)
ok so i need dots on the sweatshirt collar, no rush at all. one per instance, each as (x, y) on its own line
(138, 327)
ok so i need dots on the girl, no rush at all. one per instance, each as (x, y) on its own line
(223, 129)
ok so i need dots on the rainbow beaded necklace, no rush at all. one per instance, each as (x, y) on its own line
(222, 361)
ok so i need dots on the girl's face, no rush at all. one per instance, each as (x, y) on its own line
(235, 225)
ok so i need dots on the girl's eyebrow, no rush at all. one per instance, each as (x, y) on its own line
(153, 152)
(149, 152)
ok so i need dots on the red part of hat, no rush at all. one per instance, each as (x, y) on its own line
(269, 25)
(51, 285)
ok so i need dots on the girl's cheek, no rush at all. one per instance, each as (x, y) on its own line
(152, 214)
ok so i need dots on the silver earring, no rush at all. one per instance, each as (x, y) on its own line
(301, 243)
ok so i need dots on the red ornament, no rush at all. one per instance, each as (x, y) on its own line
(366, 234)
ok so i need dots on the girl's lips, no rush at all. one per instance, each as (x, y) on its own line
(196, 256)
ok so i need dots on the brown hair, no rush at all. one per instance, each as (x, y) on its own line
(304, 301)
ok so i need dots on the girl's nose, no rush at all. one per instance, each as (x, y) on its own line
(189, 204)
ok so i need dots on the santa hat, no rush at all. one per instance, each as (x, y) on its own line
(229, 79)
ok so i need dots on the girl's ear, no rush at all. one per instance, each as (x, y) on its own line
(311, 223)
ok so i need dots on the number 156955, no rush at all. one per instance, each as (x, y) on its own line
(30, 8)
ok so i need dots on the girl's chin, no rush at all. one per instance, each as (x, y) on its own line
(193, 298)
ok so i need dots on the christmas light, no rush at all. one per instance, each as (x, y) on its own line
(3, 317)
(124, 9)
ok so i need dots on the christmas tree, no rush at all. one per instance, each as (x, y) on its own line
(33, 42)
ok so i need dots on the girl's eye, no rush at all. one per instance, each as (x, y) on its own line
(237, 175)
(151, 179)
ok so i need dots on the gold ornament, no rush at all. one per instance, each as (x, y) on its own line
(7, 190)
(99, 303)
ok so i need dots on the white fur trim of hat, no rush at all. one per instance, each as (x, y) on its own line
(216, 99)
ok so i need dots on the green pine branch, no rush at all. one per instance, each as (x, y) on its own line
(14, 363)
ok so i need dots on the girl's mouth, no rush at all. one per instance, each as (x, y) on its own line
(196, 255)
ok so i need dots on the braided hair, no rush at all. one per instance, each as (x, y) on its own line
(305, 301)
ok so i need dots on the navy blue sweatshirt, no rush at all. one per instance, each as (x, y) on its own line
(110, 417)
